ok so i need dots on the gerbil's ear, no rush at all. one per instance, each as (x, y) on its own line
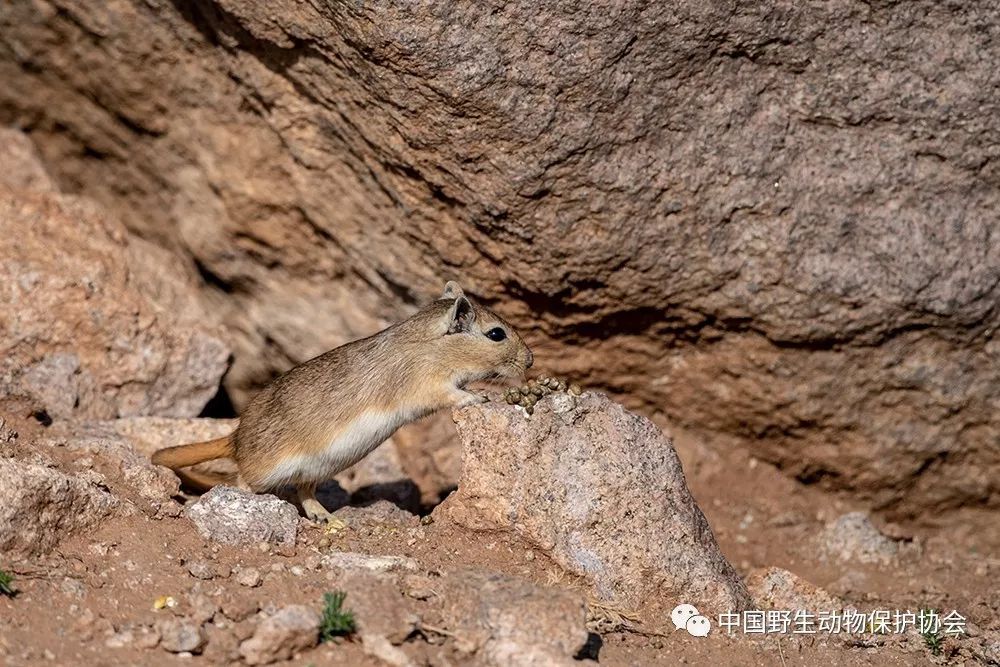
(460, 316)
(452, 290)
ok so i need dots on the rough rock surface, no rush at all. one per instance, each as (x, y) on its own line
(853, 537)
(94, 326)
(99, 445)
(40, 505)
(281, 635)
(601, 491)
(179, 635)
(775, 588)
(22, 166)
(731, 212)
(495, 619)
(149, 434)
(517, 623)
(71, 476)
(233, 516)
(346, 560)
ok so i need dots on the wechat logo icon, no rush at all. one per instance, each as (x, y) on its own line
(686, 617)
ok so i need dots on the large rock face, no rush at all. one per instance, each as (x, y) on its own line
(600, 490)
(767, 220)
(94, 323)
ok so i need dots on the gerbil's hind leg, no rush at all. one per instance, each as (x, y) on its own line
(313, 508)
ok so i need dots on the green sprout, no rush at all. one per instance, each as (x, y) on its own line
(932, 638)
(7, 584)
(336, 621)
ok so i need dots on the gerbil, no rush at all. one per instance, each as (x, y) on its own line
(328, 413)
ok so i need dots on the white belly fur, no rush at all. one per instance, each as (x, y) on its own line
(349, 446)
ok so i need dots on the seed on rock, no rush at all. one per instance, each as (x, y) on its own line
(510, 399)
(575, 389)
(426, 520)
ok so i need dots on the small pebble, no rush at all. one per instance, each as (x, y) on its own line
(249, 577)
(200, 570)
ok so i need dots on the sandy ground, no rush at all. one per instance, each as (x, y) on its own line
(75, 605)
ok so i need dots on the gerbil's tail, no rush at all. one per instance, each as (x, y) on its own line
(183, 456)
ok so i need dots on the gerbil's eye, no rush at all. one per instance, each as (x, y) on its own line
(496, 334)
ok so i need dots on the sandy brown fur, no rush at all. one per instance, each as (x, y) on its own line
(183, 456)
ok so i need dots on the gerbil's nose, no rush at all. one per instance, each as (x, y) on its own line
(530, 360)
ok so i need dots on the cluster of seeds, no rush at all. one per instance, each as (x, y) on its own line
(527, 395)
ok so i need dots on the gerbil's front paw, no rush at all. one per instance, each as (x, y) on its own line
(467, 398)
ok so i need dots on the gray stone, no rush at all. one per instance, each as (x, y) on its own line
(853, 537)
(280, 636)
(180, 634)
(775, 588)
(199, 569)
(345, 560)
(233, 516)
(249, 577)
